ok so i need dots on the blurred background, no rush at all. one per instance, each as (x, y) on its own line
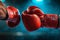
(20, 32)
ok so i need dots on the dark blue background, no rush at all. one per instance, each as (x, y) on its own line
(47, 6)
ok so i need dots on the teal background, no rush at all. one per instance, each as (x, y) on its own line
(47, 6)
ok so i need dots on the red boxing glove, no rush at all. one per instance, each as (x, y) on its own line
(31, 18)
(13, 16)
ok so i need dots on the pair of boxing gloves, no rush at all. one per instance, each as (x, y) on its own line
(33, 18)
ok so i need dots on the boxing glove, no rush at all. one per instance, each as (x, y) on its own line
(31, 18)
(10, 14)
(13, 16)
(47, 20)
